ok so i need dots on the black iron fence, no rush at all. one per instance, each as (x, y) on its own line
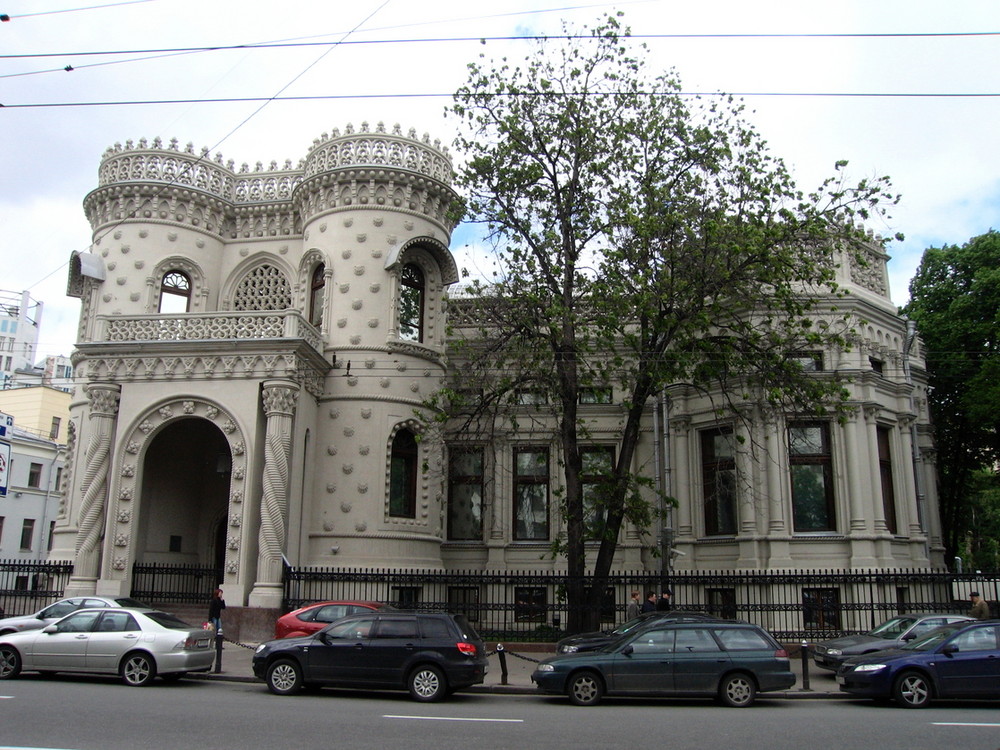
(26, 587)
(532, 606)
(174, 583)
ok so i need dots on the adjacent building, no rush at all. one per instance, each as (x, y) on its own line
(20, 318)
(257, 348)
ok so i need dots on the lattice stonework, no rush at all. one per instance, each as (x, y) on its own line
(264, 288)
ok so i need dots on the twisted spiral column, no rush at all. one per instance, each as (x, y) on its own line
(280, 399)
(94, 485)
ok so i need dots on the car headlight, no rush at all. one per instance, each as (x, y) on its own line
(569, 649)
(869, 667)
(833, 652)
(545, 668)
(260, 648)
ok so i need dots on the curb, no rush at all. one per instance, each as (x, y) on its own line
(531, 690)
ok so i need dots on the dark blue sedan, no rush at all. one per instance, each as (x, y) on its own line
(961, 660)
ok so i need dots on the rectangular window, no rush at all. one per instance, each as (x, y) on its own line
(54, 428)
(718, 477)
(596, 395)
(59, 475)
(406, 597)
(821, 609)
(27, 534)
(1, 532)
(808, 361)
(531, 494)
(175, 543)
(598, 465)
(464, 600)
(722, 603)
(35, 475)
(530, 603)
(811, 468)
(878, 366)
(885, 473)
(528, 397)
(465, 494)
(52, 528)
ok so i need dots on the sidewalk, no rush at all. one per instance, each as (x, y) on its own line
(520, 660)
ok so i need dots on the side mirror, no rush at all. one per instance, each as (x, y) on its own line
(909, 636)
(951, 648)
(628, 650)
(50, 629)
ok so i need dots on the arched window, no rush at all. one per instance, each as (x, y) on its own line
(175, 293)
(316, 296)
(403, 476)
(411, 303)
(264, 288)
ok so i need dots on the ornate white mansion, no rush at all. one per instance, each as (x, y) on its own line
(256, 347)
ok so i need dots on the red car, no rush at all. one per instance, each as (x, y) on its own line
(309, 620)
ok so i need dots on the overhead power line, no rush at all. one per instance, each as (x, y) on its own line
(11, 17)
(535, 37)
(430, 95)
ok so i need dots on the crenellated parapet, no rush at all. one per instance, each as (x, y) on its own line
(157, 182)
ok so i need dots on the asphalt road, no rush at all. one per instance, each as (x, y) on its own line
(82, 713)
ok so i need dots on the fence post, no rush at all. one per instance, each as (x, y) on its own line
(503, 663)
(805, 666)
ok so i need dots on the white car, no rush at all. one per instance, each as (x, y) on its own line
(55, 612)
(135, 644)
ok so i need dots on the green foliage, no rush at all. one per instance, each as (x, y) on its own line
(643, 241)
(955, 302)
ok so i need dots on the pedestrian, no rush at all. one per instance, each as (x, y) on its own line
(663, 604)
(634, 607)
(980, 609)
(650, 604)
(215, 608)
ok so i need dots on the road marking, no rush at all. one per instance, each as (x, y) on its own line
(11, 747)
(444, 718)
(963, 724)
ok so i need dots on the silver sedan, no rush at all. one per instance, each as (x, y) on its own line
(58, 610)
(135, 644)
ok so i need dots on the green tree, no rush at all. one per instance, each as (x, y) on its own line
(642, 241)
(955, 302)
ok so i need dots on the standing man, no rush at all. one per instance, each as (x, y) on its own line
(663, 605)
(980, 609)
(215, 608)
(650, 604)
(634, 607)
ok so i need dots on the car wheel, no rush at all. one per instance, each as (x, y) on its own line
(738, 690)
(10, 662)
(585, 689)
(912, 690)
(138, 670)
(284, 677)
(427, 684)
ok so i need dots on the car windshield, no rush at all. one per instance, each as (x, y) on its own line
(126, 602)
(893, 628)
(933, 639)
(632, 624)
(168, 620)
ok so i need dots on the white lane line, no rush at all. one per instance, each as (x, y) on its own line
(11, 747)
(446, 718)
(963, 724)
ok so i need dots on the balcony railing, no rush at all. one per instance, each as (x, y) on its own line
(216, 326)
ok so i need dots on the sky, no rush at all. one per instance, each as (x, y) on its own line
(803, 93)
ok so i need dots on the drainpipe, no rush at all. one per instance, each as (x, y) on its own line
(918, 478)
(667, 509)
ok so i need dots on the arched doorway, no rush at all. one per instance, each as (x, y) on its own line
(184, 496)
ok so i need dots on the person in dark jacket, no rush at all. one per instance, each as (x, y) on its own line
(215, 608)
(663, 603)
(650, 604)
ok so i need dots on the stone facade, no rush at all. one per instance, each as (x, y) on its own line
(257, 347)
